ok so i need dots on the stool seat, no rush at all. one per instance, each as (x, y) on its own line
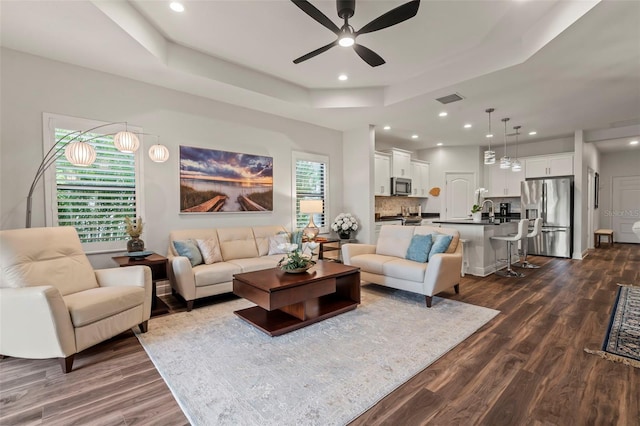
(510, 239)
(602, 233)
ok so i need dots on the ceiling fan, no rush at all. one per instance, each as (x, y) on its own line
(346, 34)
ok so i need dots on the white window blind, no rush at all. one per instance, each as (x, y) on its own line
(310, 184)
(94, 199)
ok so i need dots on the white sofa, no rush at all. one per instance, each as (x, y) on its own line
(244, 249)
(385, 263)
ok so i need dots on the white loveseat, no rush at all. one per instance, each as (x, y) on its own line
(385, 263)
(243, 249)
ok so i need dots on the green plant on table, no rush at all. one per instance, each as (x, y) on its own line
(479, 195)
(295, 258)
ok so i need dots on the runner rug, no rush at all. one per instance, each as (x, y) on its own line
(223, 371)
(622, 340)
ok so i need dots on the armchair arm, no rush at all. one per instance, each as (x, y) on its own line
(35, 323)
(443, 271)
(349, 250)
(138, 275)
(183, 279)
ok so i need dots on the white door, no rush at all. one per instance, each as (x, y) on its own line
(459, 192)
(625, 209)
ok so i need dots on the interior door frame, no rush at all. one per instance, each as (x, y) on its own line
(473, 178)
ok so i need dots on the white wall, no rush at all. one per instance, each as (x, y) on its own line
(359, 172)
(32, 85)
(449, 159)
(615, 164)
(590, 160)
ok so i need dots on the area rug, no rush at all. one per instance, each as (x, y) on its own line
(622, 340)
(223, 371)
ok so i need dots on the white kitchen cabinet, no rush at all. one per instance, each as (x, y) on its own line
(382, 166)
(502, 182)
(549, 165)
(419, 179)
(400, 163)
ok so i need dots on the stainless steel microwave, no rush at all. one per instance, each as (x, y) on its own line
(400, 186)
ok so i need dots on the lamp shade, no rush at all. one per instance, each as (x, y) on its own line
(310, 206)
(80, 153)
(126, 142)
(159, 153)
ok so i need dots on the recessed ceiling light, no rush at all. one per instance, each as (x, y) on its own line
(467, 126)
(489, 135)
(439, 144)
(414, 136)
(387, 127)
(633, 143)
(443, 114)
(176, 6)
(532, 133)
(343, 77)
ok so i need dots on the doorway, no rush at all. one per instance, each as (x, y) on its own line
(625, 208)
(459, 193)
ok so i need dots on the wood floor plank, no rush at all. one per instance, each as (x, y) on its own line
(527, 366)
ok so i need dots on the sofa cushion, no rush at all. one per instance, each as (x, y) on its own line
(188, 248)
(423, 230)
(394, 240)
(210, 250)
(419, 248)
(89, 306)
(216, 273)
(194, 234)
(262, 235)
(404, 269)
(237, 243)
(372, 263)
(440, 244)
(276, 241)
(257, 263)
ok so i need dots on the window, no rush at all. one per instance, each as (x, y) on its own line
(94, 199)
(310, 182)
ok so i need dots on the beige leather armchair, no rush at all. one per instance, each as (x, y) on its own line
(53, 304)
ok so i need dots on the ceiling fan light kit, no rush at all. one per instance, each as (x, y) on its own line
(346, 35)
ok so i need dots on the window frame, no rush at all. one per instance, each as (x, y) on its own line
(52, 121)
(318, 158)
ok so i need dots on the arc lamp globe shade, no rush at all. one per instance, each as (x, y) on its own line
(126, 142)
(80, 153)
(159, 153)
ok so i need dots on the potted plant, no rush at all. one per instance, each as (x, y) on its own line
(295, 260)
(344, 224)
(134, 230)
(476, 209)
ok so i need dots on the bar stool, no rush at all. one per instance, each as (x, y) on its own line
(510, 239)
(537, 226)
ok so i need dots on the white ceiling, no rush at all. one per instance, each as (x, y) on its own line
(553, 66)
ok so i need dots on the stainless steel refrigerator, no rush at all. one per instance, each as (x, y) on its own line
(552, 200)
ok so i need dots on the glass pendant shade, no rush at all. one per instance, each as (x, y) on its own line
(159, 153)
(489, 157)
(80, 153)
(126, 142)
(516, 166)
(505, 162)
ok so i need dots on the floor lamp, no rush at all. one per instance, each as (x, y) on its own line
(311, 207)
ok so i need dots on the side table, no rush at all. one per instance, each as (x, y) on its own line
(327, 245)
(158, 265)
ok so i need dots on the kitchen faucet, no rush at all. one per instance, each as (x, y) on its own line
(491, 214)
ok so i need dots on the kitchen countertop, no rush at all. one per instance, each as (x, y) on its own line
(483, 222)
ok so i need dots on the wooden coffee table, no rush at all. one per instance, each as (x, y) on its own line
(287, 302)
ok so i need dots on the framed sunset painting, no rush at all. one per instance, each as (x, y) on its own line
(221, 181)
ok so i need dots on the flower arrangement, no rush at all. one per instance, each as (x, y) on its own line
(344, 223)
(478, 205)
(295, 260)
(133, 229)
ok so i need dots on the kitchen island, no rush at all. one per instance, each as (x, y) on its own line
(480, 252)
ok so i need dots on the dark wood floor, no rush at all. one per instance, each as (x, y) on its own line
(526, 367)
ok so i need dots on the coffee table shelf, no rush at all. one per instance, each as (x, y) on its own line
(287, 302)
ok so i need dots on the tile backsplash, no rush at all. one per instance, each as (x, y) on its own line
(392, 206)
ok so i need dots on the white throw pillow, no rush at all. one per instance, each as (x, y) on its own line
(210, 250)
(275, 241)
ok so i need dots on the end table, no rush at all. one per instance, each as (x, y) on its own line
(158, 265)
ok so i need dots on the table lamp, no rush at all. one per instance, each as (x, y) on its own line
(311, 207)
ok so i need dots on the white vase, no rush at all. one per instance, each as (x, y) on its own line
(477, 216)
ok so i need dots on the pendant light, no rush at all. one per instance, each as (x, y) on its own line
(80, 153)
(489, 155)
(516, 166)
(505, 161)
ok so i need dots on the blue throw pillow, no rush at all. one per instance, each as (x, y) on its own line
(440, 244)
(189, 248)
(419, 248)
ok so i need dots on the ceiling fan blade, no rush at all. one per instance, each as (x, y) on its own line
(313, 12)
(315, 52)
(368, 55)
(392, 17)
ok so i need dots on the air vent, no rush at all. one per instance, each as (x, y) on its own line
(450, 98)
